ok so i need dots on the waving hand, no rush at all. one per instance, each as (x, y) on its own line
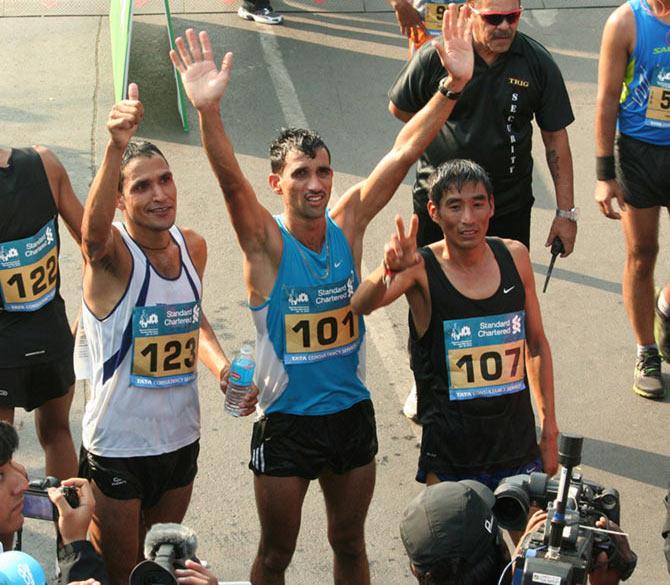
(204, 83)
(455, 50)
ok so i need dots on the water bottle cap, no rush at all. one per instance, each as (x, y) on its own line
(247, 349)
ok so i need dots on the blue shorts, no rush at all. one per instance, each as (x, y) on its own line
(490, 480)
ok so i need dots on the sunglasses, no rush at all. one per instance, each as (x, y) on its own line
(496, 18)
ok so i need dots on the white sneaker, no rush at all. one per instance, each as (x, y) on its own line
(409, 409)
(264, 15)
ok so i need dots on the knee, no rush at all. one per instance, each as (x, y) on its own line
(347, 543)
(643, 256)
(53, 432)
(275, 558)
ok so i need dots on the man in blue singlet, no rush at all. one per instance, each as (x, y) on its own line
(301, 269)
(634, 91)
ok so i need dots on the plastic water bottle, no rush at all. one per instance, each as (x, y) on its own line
(240, 379)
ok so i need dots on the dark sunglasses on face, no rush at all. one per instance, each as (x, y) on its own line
(496, 18)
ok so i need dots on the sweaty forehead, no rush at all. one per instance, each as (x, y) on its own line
(145, 167)
(497, 5)
(295, 157)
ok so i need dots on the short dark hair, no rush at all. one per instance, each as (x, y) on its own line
(459, 572)
(9, 441)
(137, 149)
(456, 173)
(300, 139)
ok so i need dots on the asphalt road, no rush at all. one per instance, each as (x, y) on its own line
(329, 67)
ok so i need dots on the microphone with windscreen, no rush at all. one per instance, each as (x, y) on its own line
(166, 548)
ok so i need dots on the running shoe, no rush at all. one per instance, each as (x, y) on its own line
(662, 331)
(647, 379)
(264, 15)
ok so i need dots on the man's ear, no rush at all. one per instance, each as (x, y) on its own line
(274, 180)
(432, 210)
(493, 205)
(120, 201)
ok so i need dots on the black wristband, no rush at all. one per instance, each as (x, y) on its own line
(605, 169)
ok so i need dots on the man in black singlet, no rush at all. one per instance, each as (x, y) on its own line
(476, 337)
(36, 344)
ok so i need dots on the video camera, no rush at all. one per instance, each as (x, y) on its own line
(563, 551)
(36, 502)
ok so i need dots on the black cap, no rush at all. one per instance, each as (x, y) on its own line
(449, 520)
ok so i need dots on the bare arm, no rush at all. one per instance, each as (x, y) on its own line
(407, 16)
(210, 351)
(69, 207)
(559, 159)
(401, 272)
(98, 240)
(360, 204)
(539, 365)
(256, 230)
(617, 44)
(402, 115)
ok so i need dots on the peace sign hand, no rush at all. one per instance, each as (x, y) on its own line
(400, 251)
(205, 85)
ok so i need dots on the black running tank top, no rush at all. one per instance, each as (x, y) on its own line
(33, 324)
(470, 372)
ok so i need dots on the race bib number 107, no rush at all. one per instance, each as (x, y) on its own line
(485, 355)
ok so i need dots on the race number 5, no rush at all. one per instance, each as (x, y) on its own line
(659, 104)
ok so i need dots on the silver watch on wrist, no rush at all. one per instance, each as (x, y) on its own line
(572, 214)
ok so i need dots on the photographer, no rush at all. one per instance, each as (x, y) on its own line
(452, 538)
(76, 557)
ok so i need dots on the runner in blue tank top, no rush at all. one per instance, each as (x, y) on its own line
(634, 91)
(301, 269)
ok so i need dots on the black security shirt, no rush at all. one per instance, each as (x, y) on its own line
(491, 122)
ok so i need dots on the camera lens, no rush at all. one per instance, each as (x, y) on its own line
(511, 507)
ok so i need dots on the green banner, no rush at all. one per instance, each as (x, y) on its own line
(181, 95)
(120, 29)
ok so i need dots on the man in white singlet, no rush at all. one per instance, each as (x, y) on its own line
(145, 328)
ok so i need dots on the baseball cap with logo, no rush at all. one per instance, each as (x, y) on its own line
(449, 520)
(19, 568)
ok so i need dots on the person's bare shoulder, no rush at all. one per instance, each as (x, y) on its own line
(197, 248)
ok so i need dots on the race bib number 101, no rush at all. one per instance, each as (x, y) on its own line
(319, 322)
(485, 355)
(29, 270)
(165, 345)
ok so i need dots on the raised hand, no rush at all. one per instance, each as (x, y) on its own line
(455, 50)
(125, 117)
(400, 251)
(205, 85)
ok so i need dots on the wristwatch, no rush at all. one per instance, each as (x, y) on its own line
(572, 214)
(445, 91)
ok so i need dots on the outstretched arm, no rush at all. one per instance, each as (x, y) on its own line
(407, 16)
(205, 86)
(98, 241)
(361, 203)
(69, 207)
(401, 272)
(539, 365)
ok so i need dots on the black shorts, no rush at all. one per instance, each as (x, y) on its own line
(144, 478)
(643, 171)
(289, 445)
(31, 386)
